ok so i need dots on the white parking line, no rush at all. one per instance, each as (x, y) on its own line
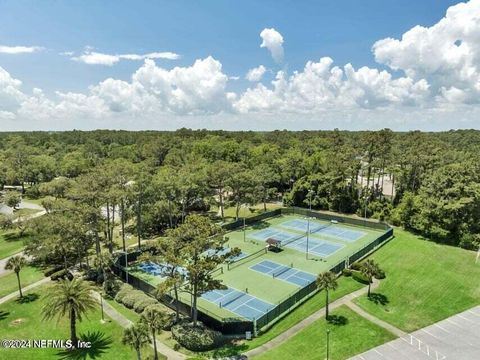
(441, 328)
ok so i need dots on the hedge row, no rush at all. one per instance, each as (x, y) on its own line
(198, 338)
(134, 299)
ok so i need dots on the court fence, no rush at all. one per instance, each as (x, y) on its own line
(240, 325)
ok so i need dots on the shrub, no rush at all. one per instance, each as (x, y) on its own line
(62, 274)
(199, 338)
(143, 302)
(124, 290)
(50, 271)
(380, 274)
(347, 272)
(356, 266)
(361, 278)
(131, 298)
(113, 286)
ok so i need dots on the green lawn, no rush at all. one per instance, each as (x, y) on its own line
(353, 335)
(426, 282)
(346, 285)
(230, 212)
(28, 275)
(11, 243)
(24, 321)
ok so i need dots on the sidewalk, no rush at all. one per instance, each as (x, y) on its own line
(24, 289)
(125, 323)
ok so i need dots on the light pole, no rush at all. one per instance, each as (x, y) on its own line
(101, 304)
(308, 235)
(244, 235)
(328, 344)
(310, 198)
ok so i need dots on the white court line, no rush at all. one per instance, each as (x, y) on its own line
(473, 312)
(429, 333)
(467, 319)
(441, 328)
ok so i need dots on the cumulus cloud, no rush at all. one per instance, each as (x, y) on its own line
(255, 74)
(95, 58)
(273, 41)
(322, 86)
(13, 50)
(447, 53)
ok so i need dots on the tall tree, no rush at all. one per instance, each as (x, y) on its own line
(155, 320)
(370, 269)
(327, 281)
(136, 336)
(71, 299)
(16, 263)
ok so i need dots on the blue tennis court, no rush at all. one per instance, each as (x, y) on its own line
(238, 302)
(283, 272)
(341, 233)
(321, 248)
(158, 269)
(302, 225)
(272, 234)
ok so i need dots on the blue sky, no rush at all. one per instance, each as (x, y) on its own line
(228, 31)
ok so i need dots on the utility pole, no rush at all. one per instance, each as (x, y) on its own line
(308, 235)
(328, 344)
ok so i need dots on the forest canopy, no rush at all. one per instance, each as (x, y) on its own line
(426, 182)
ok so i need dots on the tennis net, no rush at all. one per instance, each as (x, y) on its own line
(320, 228)
(289, 241)
(280, 272)
(231, 300)
(231, 265)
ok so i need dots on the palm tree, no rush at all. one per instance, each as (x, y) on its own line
(155, 320)
(370, 269)
(16, 264)
(327, 281)
(71, 299)
(136, 336)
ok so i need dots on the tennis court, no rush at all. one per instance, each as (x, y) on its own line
(341, 233)
(303, 225)
(272, 234)
(320, 248)
(283, 272)
(158, 269)
(238, 302)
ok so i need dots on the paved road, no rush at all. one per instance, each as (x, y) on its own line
(125, 323)
(456, 338)
(4, 209)
(294, 330)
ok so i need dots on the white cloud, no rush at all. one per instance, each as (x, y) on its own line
(95, 58)
(435, 84)
(273, 41)
(447, 53)
(13, 50)
(255, 74)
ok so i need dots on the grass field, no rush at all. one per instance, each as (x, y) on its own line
(24, 321)
(230, 212)
(426, 282)
(11, 243)
(8, 281)
(351, 336)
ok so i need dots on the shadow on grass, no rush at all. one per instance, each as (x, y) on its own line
(12, 236)
(231, 349)
(378, 299)
(99, 344)
(337, 320)
(27, 298)
(260, 225)
(3, 315)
